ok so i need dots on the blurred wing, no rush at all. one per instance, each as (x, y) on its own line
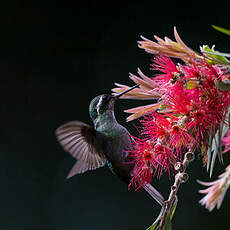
(78, 139)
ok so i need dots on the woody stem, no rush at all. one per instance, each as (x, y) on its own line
(180, 177)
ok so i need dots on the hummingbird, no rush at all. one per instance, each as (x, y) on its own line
(105, 142)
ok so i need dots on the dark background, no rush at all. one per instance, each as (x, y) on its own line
(54, 58)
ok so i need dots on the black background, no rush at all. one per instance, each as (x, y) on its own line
(54, 58)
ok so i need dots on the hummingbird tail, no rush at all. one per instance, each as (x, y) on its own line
(154, 194)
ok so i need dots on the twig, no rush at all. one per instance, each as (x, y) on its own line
(180, 177)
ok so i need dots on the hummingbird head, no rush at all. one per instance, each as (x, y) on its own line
(104, 103)
(100, 105)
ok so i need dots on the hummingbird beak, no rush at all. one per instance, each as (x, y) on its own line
(124, 92)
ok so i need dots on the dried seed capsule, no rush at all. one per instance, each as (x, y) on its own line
(183, 177)
(179, 166)
(189, 156)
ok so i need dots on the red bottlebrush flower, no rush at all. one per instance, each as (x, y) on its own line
(179, 100)
(143, 158)
(167, 67)
(180, 139)
(206, 118)
(195, 96)
(155, 126)
(164, 159)
(209, 110)
(191, 71)
(149, 157)
(169, 131)
(199, 125)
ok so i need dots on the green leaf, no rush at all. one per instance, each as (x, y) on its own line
(215, 57)
(153, 226)
(222, 30)
(226, 125)
(173, 208)
(209, 152)
(168, 224)
(215, 145)
(216, 53)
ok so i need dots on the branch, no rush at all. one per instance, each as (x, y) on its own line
(180, 177)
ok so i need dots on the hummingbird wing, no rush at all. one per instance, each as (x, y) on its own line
(79, 139)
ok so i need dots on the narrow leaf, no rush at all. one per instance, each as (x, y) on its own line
(168, 224)
(213, 56)
(218, 53)
(215, 149)
(209, 152)
(154, 225)
(173, 208)
(222, 30)
(226, 125)
(220, 156)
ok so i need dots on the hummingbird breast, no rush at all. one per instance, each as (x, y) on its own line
(116, 151)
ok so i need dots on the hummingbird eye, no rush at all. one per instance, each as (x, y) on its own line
(103, 103)
(106, 98)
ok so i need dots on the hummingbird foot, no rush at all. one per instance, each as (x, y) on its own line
(154, 194)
